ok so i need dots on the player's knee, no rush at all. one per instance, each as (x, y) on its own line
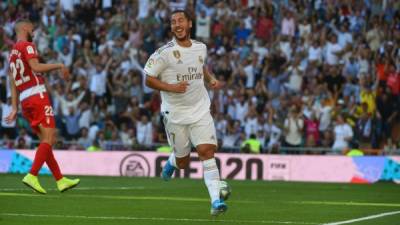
(49, 137)
(206, 151)
(182, 163)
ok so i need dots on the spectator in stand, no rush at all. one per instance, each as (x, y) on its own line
(144, 131)
(251, 145)
(343, 135)
(274, 132)
(264, 26)
(393, 80)
(333, 51)
(84, 141)
(6, 142)
(21, 144)
(251, 123)
(203, 25)
(98, 80)
(72, 124)
(241, 33)
(387, 112)
(293, 125)
(127, 135)
(7, 129)
(368, 94)
(23, 134)
(312, 132)
(85, 116)
(68, 101)
(231, 138)
(288, 25)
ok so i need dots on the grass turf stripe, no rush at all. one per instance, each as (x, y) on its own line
(155, 219)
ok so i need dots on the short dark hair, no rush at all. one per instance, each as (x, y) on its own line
(23, 20)
(185, 13)
(19, 21)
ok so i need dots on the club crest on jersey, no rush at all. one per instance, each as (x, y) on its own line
(177, 55)
(150, 63)
(30, 50)
(201, 60)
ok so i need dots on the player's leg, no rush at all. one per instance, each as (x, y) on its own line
(31, 179)
(48, 135)
(210, 169)
(178, 139)
(211, 177)
(203, 136)
(42, 120)
(41, 156)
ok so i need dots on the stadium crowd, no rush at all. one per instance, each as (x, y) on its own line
(305, 73)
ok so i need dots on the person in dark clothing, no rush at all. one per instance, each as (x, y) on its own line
(386, 114)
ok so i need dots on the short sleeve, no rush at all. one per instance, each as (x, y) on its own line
(155, 65)
(30, 51)
(205, 54)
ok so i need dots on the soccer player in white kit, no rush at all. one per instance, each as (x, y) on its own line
(178, 70)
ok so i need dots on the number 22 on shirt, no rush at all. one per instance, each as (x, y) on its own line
(18, 68)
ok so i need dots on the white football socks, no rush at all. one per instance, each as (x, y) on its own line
(211, 178)
(172, 160)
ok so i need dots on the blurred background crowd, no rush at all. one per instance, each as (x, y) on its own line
(300, 75)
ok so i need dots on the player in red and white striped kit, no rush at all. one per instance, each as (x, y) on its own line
(27, 84)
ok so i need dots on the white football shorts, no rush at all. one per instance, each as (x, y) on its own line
(182, 136)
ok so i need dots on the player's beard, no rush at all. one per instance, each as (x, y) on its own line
(30, 37)
(185, 37)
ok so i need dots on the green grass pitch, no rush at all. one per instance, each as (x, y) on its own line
(145, 201)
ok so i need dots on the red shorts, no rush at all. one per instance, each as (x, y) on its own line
(38, 111)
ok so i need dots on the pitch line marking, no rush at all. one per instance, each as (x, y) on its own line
(154, 219)
(364, 218)
(348, 203)
(81, 188)
(116, 197)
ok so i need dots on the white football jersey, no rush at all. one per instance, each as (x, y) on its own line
(172, 64)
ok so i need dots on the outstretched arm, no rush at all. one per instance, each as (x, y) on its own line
(14, 102)
(42, 67)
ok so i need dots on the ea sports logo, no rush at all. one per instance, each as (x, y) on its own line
(134, 165)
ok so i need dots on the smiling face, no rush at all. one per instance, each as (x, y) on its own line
(180, 26)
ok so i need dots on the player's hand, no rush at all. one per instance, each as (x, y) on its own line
(65, 72)
(215, 84)
(12, 116)
(180, 87)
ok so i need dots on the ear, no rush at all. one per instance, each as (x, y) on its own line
(190, 24)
